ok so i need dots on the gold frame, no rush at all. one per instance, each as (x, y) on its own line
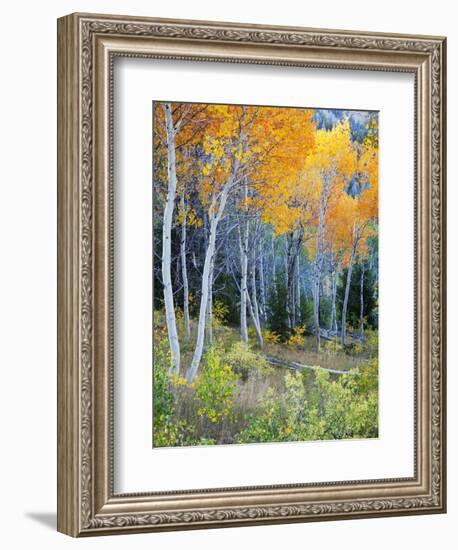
(87, 45)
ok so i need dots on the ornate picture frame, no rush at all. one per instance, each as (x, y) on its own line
(87, 46)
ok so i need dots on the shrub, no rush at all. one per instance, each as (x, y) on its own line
(367, 381)
(174, 433)
(347, 410)
(335, 409)
(371, 344)
(159, 326)
(158, 317)
(296, 340)
(220, 313)
(244, 361)
(270, 336)
(251, 333)
(277, 418)
(163, 401)
(331, 347)
(368, 347)
(166, 431)
(215, 388)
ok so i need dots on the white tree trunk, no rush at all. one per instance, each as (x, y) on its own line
(257, 326)
(316, 305)
(192, 371)
(290, 259)
(210, 305)
(345, 302)
(316, 288)
(361, 299)
(319, 259)
(333, 323)
(184, 273)
(214, 221)
(167, 243)
(298, 290)
(274, 269)
(262, 284)
(244, 272)
(254, 300)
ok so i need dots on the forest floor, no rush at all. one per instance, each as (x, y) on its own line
(237, 385)
(331, 355)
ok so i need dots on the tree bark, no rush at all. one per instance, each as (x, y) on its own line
(192, 371)
(184, 273)
(361, 299)
(333, 323)
(257, 326)
(214, 221)
(274, 266)
(167, 243)
(319, 258)
(209, 322)
(262, 286)
(298, 290)
(292, 250)
(254, 300)
(316, 307)
(289, 281)
(345, 302)
(244, 271)
(293, 296)
(316, 290)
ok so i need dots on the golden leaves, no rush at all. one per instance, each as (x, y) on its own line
(294, 169)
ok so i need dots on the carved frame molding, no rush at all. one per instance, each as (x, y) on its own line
(87, 46)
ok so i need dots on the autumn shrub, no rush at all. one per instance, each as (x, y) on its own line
(371, 344)
(276, 418)
(331, 347)
(178, 433)
(244, 361)
(296, 340)
(166, 430)
(179, 319)
(159, 327)
(220, 313)
(215, 387)
(367, 381)
(346, 411)
(270, 337)
(251, 333)
(366, 347)
(158, 317)
(163, 400)
(342, 408)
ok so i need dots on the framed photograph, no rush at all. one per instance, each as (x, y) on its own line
(251, 290)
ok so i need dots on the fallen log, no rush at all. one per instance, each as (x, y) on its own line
(292, 365)
(331, 336)
(357, 336)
